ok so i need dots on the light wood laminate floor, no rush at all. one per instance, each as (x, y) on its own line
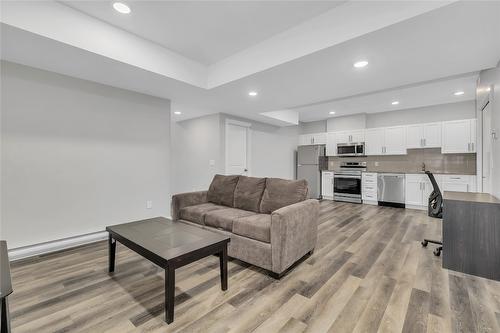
(368, 273)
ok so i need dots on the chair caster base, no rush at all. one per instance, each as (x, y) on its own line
(437, 251)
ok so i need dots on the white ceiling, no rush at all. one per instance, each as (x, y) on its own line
(206, 31)
(420, 60)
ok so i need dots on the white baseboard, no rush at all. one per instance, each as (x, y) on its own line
(60, 244)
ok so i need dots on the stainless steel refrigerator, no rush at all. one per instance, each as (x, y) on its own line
(310, 161)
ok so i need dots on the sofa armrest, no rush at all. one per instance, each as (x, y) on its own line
(294, 231)
(182, 200)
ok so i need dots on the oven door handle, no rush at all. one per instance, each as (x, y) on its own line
(345, 176)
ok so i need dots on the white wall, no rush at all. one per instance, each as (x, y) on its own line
(491, 78)
(197, 141)
(77, 156)
(428, 114)
(312, 127)
(272, 148)
(194, 143)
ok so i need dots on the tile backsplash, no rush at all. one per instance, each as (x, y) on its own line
(463, 164)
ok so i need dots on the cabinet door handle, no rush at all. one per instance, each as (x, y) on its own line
(472, 146)
(425, 142)
(421, 142)
(468, 146)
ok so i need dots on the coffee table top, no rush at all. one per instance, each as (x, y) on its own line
(164, 238)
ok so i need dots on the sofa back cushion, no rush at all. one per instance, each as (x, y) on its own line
(221, 190)
(281, 192)
(248, 193)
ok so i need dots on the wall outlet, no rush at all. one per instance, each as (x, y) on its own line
(211, 162)
(149, 204)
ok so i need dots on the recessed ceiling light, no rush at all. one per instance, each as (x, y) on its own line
(252, 93)
(360, 64)
(177, 112)
(332, 112)
(395, 103)
(121, 8)
(458, 93)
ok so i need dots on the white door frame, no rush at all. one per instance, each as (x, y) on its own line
(249, 143)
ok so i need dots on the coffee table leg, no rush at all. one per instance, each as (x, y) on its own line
(112, 251)
(223, 267)
(5, 326)
(169, 294)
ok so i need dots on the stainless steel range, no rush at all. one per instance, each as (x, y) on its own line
(347, 182)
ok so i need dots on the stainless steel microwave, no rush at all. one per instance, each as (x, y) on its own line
(351, 149)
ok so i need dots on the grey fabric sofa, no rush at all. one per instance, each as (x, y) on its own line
(269, 220)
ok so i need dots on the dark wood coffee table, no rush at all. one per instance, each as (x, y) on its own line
(169, 245)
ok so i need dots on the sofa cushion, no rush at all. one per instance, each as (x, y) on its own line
(257, 226)
(197, 213)
(281, 192)
(221, 190)
(223, 218)
(248, 193)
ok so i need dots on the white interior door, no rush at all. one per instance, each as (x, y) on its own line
(487, 147)
(237, 149)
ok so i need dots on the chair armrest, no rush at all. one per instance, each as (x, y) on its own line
(182, 200)
(294, 231)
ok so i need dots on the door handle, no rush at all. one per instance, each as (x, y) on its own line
(468, 146)
(245, 170)
(472, 146)
(425, 142)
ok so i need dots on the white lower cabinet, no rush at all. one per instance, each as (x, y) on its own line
(418, 187)
(369, 188)
(327, 185)
(458, 183)
(417, 190)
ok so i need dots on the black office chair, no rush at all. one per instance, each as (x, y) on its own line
(434, 209)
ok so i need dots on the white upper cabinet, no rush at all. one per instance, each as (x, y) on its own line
(414, 136)
(331, 144)
(395, 140)
(358, 136)
(386, 141)
(352, 136)
(319, 138)
(305, 139)
(459, 136)
(432, 135)
(424, 135)
(374, 141)
(473, 133)
(312, 139)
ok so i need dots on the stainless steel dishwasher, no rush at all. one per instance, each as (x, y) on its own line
(391, 189)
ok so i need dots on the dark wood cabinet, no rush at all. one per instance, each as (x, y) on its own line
(471, 234)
